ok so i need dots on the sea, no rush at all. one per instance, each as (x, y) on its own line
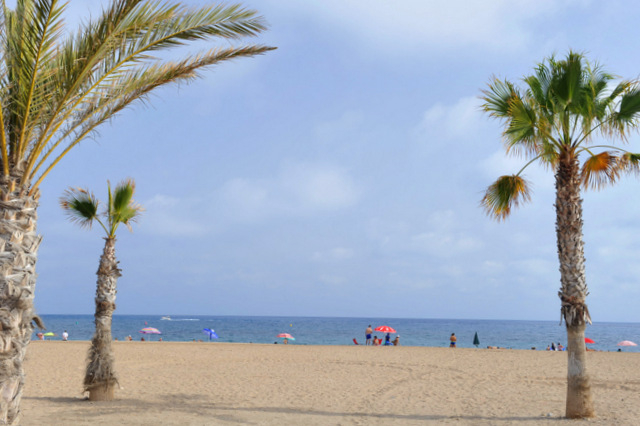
(342, 331)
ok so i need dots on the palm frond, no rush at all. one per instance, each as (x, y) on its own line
(521, 132)
(122, 195)
(599, 170)
(56, 89)
(629, 162)
(80, 205)
(504, 194)
(132, 86)
(123, 209)
(498, 98)
(567, 82)
(628, 113)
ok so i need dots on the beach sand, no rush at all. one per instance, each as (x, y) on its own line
(167, 383)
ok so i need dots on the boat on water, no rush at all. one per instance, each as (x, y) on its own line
(166, 317)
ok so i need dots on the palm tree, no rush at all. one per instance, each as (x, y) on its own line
(57, 88)
(553, 121)
(82, 207)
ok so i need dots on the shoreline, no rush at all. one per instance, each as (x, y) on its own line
(178, 383)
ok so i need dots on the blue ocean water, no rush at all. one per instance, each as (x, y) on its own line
(342, 331)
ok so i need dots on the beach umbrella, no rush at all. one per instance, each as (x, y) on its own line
(149, 330)
(49, 334)
(476, 341)
(587, 340)
(286, 336)
(210, 332)
(627, 343)
(385, 329)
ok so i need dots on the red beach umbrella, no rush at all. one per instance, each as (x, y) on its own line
(587, 340)
(286, 335)
(385, 329)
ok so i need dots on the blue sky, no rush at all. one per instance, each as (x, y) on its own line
(341, 174)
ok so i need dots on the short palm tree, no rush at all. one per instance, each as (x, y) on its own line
(82, 207)
(553, 121)
(56, 88)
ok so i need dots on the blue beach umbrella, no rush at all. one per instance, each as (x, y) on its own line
(211, 333)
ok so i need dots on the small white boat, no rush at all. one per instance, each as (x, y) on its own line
(168, 318)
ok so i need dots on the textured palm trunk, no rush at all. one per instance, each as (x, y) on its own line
(100, 379)
(573, 291)
(18, 254)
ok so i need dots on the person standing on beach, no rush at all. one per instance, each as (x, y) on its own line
(368, 334)
(65, 336)
(453, 340)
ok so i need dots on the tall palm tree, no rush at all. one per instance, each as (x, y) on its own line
(553, 121)
(56, 88)
(82, 207)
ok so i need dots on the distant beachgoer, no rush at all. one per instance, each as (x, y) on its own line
(553, 346)
(142, 339)
(396, 341)
(548, 348)
(65, 336)
(387, 339)
(376, 342)
(129, 338)
(116, 339)
(286, 341)
(453, 339)
(368, 332)
(160, 340)
(40, 336)
(560, 347)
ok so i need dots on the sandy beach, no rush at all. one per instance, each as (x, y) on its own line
(166, 383)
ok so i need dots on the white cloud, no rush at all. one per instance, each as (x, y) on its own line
(299, 189)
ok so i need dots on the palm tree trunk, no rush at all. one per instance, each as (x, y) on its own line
(573, 291)
(19, 244)
(100, 379)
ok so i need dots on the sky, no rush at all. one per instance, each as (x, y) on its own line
(341, 174)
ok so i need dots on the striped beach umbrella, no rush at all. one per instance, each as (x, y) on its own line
(149, 330)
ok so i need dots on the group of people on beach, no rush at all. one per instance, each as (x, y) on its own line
(376, 341)
(553, 347)
(65, 335)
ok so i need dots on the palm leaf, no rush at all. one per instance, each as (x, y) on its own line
(520, 134)
(506, 193)
(498, 98)
(626, 117)
(130, 87)
(629, 162)
(80, 206)
(599, 170)
(123, 209)
(55, 90)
